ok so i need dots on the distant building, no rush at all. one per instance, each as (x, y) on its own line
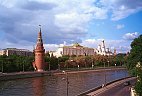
(15, 51)
(76, 49)
(102, 50)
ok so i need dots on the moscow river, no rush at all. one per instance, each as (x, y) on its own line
(56, 85)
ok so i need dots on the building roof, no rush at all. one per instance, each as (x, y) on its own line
(15, 49)
(77, 45)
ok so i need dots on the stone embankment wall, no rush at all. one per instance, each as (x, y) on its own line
(20, 75)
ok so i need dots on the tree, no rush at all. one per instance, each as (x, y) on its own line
(133, 58)
(15, 63)
(135, 53)
(119, 59)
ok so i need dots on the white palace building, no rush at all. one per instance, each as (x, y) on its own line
(78, 50)
(75, 49)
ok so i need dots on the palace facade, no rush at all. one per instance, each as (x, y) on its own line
(76, 49)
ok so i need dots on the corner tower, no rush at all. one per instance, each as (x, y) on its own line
(39, 53)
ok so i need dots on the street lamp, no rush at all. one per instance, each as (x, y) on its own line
(108, 63)
(58, 64)
(92, 64)
(103, 85)
(78, 66)
(71, 61)
(23, 66)
(115, 64)
(104, 64)
(49, 66)
(67, 81)
(2, 67)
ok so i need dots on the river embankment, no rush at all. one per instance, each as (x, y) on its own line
(21, 75)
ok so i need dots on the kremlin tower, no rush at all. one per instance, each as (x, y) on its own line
(39, 53)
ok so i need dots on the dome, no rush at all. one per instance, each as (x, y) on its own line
(76, 45)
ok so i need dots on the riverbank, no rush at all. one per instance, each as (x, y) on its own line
(111, 87)
(21, 75)
(90, 70)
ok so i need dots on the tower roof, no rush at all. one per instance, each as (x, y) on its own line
(39, 45)
(39, 40)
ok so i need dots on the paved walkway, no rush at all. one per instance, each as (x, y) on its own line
(115, 89)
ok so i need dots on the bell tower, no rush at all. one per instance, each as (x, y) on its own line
(39, 53)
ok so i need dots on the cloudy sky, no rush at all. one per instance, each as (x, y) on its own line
(87, 22)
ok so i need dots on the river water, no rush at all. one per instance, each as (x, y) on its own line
(56, 85)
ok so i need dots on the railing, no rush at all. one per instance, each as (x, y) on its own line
(96, 88)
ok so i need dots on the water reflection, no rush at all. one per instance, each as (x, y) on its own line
(38, 87)
(56, 86)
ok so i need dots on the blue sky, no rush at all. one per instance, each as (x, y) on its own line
(87, 22)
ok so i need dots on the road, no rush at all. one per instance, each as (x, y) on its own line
(115, 89)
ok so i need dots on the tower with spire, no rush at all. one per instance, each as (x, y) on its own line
(39, 53)
(103, 48)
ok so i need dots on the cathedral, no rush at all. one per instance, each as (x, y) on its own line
(102, 50)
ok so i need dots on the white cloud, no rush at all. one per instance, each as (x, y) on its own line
(120, 14)
(71, 21)
(61, 20)
(119, 26)
(121, 8)
(64, 20)
(130, 36)
(51, 47)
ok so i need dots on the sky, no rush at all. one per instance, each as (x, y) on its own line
(65, 22)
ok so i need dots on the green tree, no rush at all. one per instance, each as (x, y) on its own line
(15, 63)
(135, 53)
(119, 59)
(133, 58)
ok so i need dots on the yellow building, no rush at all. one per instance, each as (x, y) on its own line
(76, 49)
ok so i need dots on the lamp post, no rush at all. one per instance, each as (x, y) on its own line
(71, 62)
(49, 66)
(58, 64)
(115, 64)
(2, 67)
(104, 76)
(67, 81)
(105, 79)
(78, 66)
(92, 64)
(23, 66)
(108, 63)
(104, 64)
